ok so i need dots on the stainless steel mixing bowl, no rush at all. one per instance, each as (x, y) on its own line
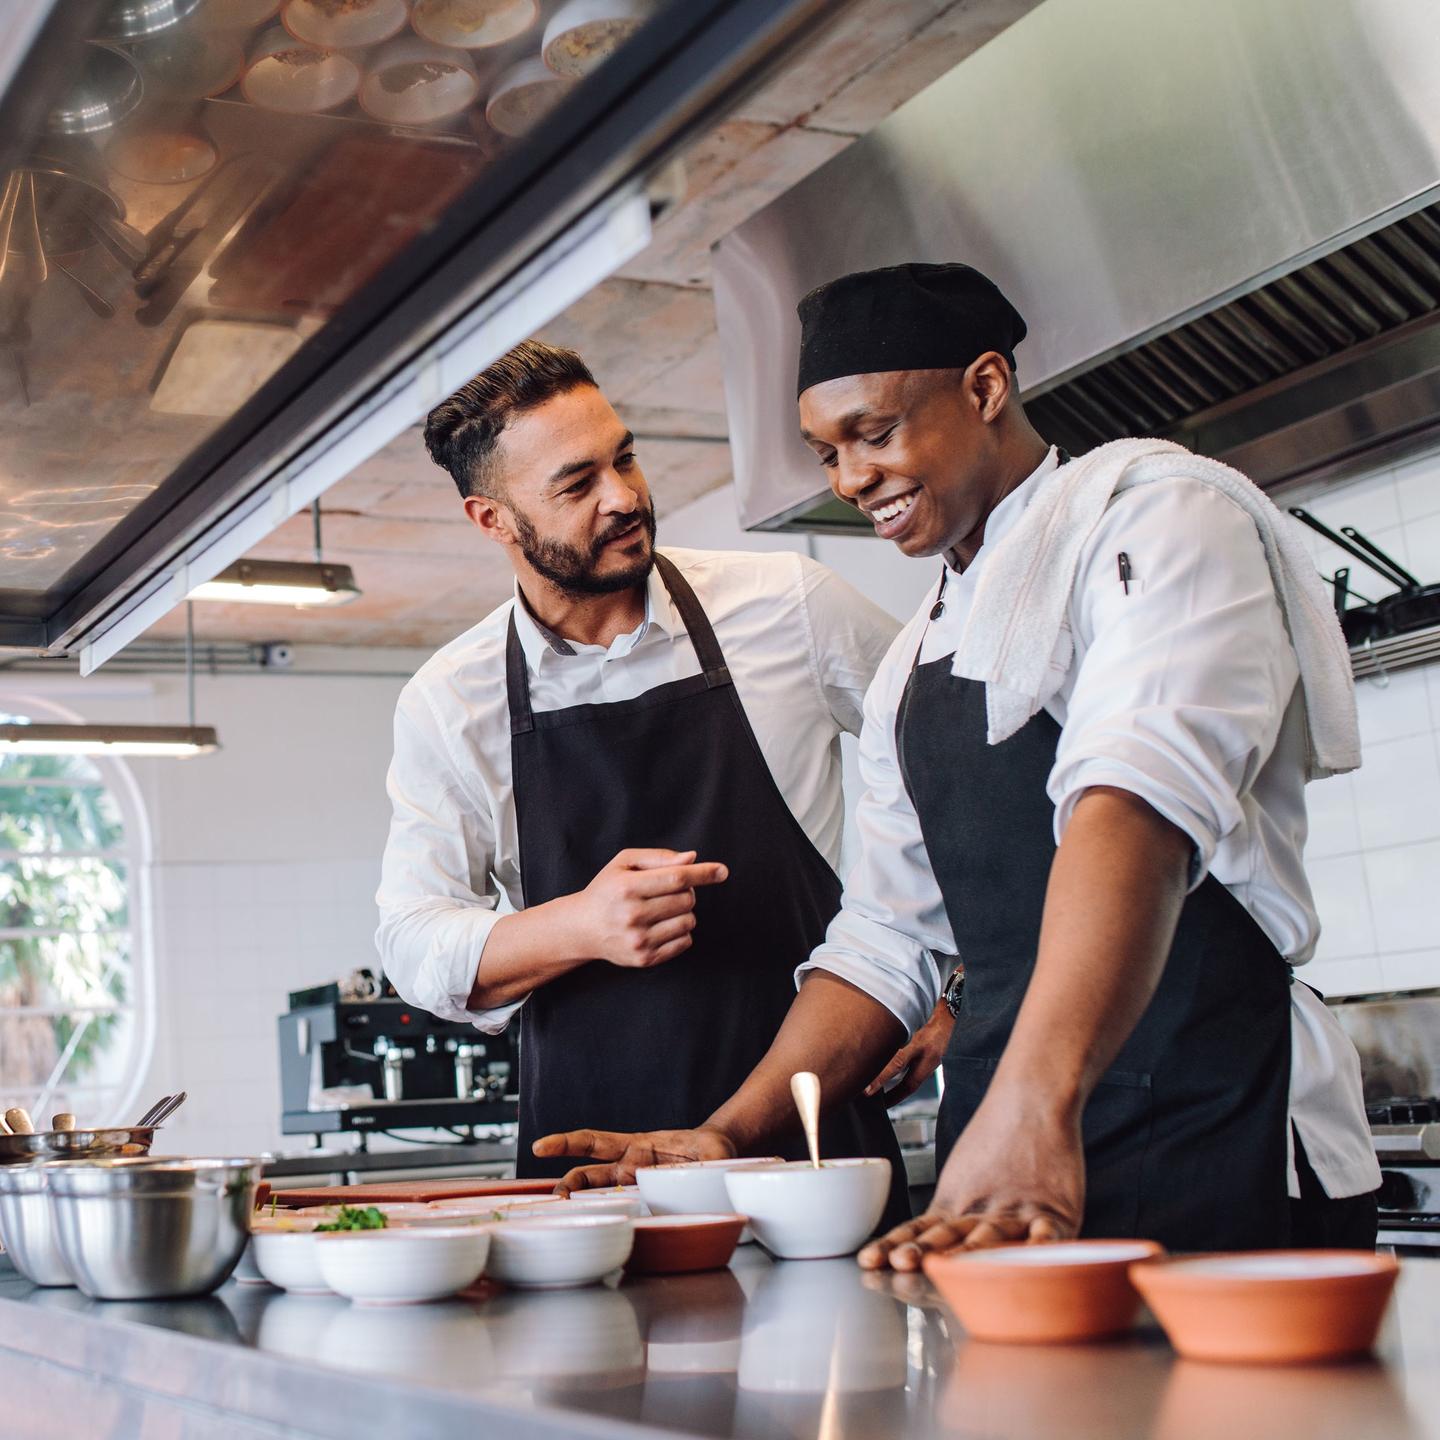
(152, 1229)
(109, 88)
(27, 1226)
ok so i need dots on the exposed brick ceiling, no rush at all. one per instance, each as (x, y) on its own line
(649, 334)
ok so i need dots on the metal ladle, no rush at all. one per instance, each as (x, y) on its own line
(161, 1110)
(805, 1087)
(93, 298)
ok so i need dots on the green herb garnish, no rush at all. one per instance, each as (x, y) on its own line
(353, 1218)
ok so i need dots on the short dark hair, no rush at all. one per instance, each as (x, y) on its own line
(461, 434)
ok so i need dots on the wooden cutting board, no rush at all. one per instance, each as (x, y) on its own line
(396, 1192)
(311, 246)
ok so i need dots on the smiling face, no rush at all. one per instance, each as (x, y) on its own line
(568, 495)
(920, 452)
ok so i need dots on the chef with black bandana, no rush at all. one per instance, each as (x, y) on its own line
(1085, 762)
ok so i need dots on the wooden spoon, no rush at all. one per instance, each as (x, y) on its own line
(805, 1087)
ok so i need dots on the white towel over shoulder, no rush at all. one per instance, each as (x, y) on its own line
(1018, 613)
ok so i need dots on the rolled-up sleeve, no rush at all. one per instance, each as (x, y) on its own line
(437, 897)
(1183, 681)
(892, 923)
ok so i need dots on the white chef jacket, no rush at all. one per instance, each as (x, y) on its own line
(801, 646)
(1183, 692)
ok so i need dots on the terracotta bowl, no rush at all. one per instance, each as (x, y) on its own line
(1277, 1307)
(674, 1244)
(1043, 1294)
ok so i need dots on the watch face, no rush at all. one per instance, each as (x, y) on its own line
(954, 989)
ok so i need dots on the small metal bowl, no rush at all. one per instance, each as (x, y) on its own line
(131, 19)
(152, 1229)
(121, 1142)
(27, 1227)
(109, 88)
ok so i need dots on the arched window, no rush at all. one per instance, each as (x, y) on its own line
(75, 995)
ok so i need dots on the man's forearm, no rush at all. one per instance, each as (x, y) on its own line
(523, 951)
(832, 1028)
(1116, 888)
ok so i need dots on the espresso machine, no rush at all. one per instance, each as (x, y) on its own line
(354, 1057)
(1398, 1037)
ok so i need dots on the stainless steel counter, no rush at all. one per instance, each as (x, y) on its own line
(808, 1348)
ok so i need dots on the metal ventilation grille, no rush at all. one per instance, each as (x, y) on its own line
(1380, 658)
(1325, 309)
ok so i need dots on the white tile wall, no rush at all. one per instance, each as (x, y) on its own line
(235, 939)
(1374, 849)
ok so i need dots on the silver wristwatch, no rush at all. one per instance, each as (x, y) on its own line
(954, 990)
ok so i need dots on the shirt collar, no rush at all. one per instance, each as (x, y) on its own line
(1003, 517)
(543, 645)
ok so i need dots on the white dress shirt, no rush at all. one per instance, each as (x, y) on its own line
(1183, 692)
(801, 646)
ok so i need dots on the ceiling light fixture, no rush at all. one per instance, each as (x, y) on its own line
(280, 582)
(138, 740)
(178, 740)
(283, 582)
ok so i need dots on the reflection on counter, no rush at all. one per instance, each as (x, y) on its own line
(791, 1349)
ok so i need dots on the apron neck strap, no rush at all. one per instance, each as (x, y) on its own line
(517, 682)
(692, 613)
(697, 623)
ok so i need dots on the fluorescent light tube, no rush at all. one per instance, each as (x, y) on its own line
(139, 740)
(280, 582)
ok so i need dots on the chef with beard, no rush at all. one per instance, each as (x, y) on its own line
(1085, 761)
(640, 752)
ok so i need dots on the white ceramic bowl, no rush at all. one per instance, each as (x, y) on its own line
(351, 25)
(800, 1213)
(523, 95)
(412, 82)
(284, 74)
(403, 1266)
(473, 24)
(288, 1260)
(482, 1208)
(610, 1192)
(246, 1271)
(400, 1213)
(583, 34)
(605, 1203)
(696, 1188)
(545, 1252)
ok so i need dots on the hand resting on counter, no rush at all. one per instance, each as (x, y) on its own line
(624, 1154)
(1014, 1174)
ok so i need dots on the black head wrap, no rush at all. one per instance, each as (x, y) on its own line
(905, 317)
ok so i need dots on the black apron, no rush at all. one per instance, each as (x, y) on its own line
(613, 1048)
(1185, 1135)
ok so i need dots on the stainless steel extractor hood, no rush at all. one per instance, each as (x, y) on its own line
(1220, 221)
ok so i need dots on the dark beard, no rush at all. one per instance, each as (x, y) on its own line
(572, 570)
